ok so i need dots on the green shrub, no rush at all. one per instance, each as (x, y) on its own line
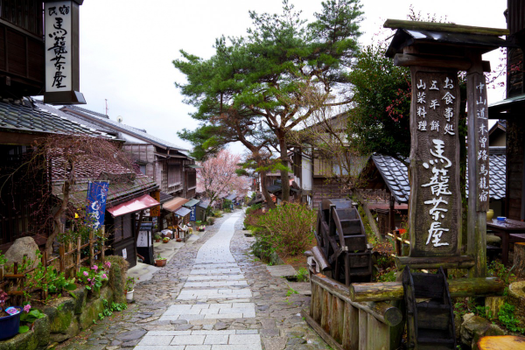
(288, 228)
(210, 221)
(263, 249)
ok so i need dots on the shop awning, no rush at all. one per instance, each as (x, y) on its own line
(174, 204)
(131, 206)
(182, 212)
(191, 203)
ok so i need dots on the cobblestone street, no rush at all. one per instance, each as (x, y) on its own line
(212, 295)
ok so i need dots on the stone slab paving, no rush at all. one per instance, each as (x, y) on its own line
(161, 319)
(213, 259)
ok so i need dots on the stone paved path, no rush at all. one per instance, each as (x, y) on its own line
(212, 295)
(207, 296)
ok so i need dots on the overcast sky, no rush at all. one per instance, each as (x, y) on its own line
(127, 47)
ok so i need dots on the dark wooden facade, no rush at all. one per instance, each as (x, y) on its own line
(21, 48)
(22, 211)
(514, 114)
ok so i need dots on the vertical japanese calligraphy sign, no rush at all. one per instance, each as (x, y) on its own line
(61, 52)
(435, 199)
(96, 202)
(480, 140)
(58, 46)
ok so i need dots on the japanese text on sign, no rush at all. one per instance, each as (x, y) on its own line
(436, 124)
(58, 45)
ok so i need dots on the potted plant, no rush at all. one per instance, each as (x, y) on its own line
(201, 228)
(160, 261)
(130, 288)
(9, 318)
(165, 240)
(157, 237)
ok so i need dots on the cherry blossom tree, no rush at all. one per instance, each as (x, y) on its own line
(218, 176)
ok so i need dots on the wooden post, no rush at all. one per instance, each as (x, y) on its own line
(91, 249)
(62, 257)
(102, 244)
(478, 167)
(363, 328)
(79, 254)
(519, 259)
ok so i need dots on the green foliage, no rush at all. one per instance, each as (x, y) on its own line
(27, 317)
(3, 259)
(262, 248)
(288, 228)
(210, 221)
(290, 292)
(253, 88)
(49, 280)
(92, 277)
(226, 204)
(497, 269)
(302, 275)
(379, 122)
(508, 319)
(109, 309)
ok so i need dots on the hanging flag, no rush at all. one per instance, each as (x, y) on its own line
(96, 202)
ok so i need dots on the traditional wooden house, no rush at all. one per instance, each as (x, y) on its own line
(511, 110)
(322, 171)
(168, 164)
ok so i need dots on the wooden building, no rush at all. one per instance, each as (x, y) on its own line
(168, 164)
(512, 111)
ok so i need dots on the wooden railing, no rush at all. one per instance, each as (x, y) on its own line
(345, 324)
(69, 260)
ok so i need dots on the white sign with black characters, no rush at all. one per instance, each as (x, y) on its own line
(58, 48)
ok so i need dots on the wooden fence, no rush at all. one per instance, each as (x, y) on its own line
(345, 324)
(69, 260)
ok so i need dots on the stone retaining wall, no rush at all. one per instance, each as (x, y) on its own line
(67, 316)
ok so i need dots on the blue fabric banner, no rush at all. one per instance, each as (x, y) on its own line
(96, 202)
(193, 214)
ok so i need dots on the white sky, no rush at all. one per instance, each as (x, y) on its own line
(127, 47)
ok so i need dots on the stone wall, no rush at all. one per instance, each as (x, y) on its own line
(67, 316)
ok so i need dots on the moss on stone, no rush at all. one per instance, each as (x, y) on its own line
(61, 313)
(117, 277)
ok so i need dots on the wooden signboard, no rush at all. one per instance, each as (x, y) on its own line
(155, 211)
(435, 200)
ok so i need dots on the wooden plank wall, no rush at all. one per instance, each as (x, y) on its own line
(347, 325)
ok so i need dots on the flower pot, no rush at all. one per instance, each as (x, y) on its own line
(129, 295)
(179, 239)
(9, 325)
(160, 263)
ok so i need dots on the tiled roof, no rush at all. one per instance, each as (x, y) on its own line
(24, 117)
(101, 119)
(82, 121)
(395, 175)
(123, 182)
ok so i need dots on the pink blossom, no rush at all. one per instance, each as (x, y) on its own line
(27, 308)
(95, 267)
(89, 279)
(108, 264)
(86, 273)
(104, 276)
